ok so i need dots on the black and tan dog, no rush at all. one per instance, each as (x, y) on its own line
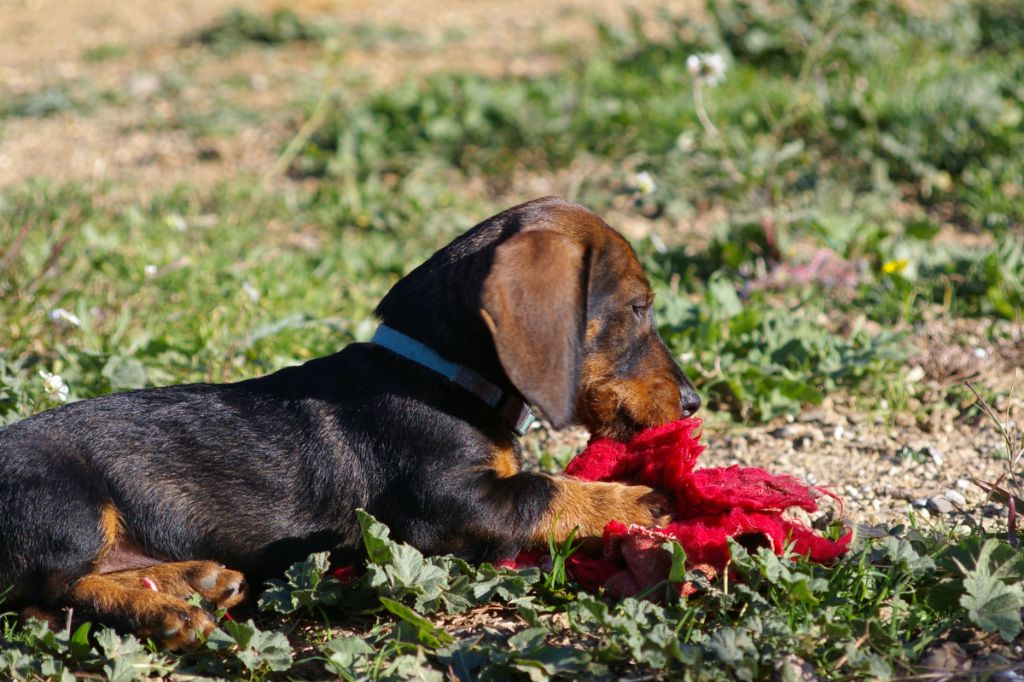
(104, 499)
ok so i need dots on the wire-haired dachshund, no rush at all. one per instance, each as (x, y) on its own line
(123, 506)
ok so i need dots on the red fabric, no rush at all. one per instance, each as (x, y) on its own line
(710, 506)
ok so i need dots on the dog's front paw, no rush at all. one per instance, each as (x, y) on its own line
(641, 506)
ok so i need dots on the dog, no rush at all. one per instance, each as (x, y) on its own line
(124, 505)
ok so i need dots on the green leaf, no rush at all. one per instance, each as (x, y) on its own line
(127, 660)
(306, 586)
(426, 632)
(376, 538)
(346, 656)
(992, 604)
(722, 298)
(79, 643)
(124, 373)
(677, 572)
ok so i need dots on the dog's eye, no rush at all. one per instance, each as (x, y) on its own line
(640, 311)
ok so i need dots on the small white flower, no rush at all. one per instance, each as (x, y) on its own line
(693, 64)
(54, 386)
(149, 270)
(707, 67)
(61, 316)
(175, 221)
(645, 182)
(252, 292)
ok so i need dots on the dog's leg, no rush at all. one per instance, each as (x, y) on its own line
(168, 619)
(499, 511)
(553, 506)
(588, 506)
(218, 585)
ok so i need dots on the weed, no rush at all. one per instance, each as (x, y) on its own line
(241, 27)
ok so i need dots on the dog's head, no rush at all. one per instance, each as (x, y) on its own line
(549, 295)
(569, 311)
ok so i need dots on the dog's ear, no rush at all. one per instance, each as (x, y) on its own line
(534, 303)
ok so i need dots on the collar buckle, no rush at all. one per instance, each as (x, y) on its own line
(515, 411)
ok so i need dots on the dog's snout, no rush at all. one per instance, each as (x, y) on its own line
(689, 401)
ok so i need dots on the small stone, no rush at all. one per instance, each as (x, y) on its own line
(802, 442)
(795, 668)
(934, 453)
(920, 501)
(946, 657)
(838, 432)
(143, 85)
(812, 416)
(963, 483)
(852, 491)
(940, 505)
(786, 432)
(955, 497)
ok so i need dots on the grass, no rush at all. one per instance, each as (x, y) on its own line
(834, 177)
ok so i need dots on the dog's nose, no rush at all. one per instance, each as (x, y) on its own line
(689, 401)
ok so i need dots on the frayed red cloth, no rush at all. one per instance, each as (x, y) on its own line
(709, 507)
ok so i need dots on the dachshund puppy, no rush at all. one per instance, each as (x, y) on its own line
(186, 488)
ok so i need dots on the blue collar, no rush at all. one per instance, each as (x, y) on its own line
(515, 411)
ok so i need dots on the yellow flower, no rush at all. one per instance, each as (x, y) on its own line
(895, 266)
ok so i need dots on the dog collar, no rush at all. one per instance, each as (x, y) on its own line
(516, 412)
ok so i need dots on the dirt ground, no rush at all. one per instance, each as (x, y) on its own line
(48, 43)
(143, 133)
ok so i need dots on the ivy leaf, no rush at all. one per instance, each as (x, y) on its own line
(127, 659)
(992, 604)
(346, 656)
(735, 648)
(306, 585)
(255, 648)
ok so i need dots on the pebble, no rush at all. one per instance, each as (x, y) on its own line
(786, 432)
(802, 442)
(963, 483)
(934, 453)
(839, 432)
(852, 491)
(940, 505)
(920, 501)
(955, 497)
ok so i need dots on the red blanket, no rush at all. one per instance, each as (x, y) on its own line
(709, 505)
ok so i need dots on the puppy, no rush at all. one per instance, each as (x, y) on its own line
(122, 506)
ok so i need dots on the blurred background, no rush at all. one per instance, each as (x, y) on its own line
(828, 197)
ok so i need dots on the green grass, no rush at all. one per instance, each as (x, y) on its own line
(847, 128)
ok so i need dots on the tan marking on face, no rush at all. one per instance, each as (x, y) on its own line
(610, 406)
